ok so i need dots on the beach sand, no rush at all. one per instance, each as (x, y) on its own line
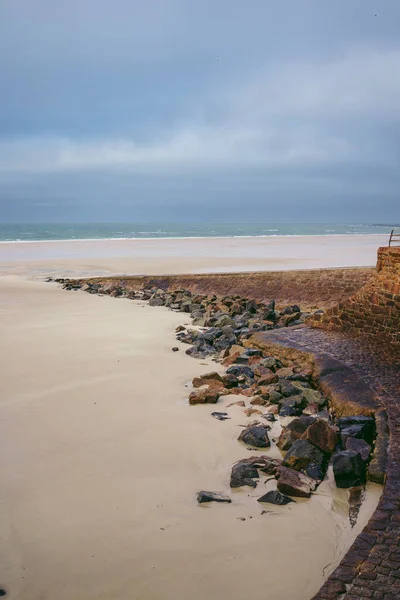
(201, 255)
(101, 458)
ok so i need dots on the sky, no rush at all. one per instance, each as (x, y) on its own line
(219, 110)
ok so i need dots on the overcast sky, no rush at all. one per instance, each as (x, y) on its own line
(225, 110)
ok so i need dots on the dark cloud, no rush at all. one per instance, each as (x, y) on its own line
(119, 109)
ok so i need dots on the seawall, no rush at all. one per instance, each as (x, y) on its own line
(321, 288)
(373, 311)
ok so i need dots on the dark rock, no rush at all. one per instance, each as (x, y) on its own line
(221, 416)
(212, 334)
(289, 310)
(275, 497)
(363, 431)
(175, 349)
(288, 389)
(255, 435)
(244, 473)
(292, 432)
(212, 497)
(269, 417)
(3, 592)
(321, 435)
(230, 381)
(294, 483)
(360, 446)
(291, 407)
(240, 370)
(301, 455)
(348, 469)
(315, 472)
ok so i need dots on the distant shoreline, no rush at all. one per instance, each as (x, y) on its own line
(191, 237)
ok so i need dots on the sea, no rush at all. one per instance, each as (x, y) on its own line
(23, 232)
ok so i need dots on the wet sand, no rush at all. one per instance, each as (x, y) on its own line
(101, 457)
(201, 255)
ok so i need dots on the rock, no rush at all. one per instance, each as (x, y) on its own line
(268, 378)
(275, 497)
(291, 407)
(360, 446)
(240, 370)
(288, 389)
(301, 455)
(244, 473)
(237, 403)
(255, 435)
(364, 428)
(349, 469)
(313, 397)
(175, 349)
(204, 395)
(271, 363)
(230, 381)
(206, 379)
(221, 416)
(285, 372)
(212, 497)
(2, 590)
(294, 483)
(321, 435)
(364, 432)
(224, 320)
(252, 411)
(315, 472)
(180, 328)
(258, 401)
(269, 417)
(289, 434)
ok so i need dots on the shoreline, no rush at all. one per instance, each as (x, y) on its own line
(192, 237)
(91, 451)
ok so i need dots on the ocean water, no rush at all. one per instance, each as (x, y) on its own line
(94, 231)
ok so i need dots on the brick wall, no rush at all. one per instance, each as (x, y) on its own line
(373, 312)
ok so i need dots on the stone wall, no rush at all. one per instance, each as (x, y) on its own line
(373, 312)
(320, 288)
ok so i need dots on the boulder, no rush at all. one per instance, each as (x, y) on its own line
(321, 435)
(275, 497)
(289, 434)
(360, 446)
(230, 381)
(268, 378)
(244, 473)
(224, 320)
(364, 428)
(204, 496)
(313, 396)
(349, 469)
(204, 395)
(207, 378)
(255, 435)
(288, 389)
(291, 407)
(301, 455)
(364, 432)
(294, 483)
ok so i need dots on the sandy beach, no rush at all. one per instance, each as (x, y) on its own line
(187, 255)
(101, 458)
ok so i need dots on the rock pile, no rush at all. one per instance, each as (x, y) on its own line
(310, 441)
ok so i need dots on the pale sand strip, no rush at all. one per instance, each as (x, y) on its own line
(80, 258)
(101, 457)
